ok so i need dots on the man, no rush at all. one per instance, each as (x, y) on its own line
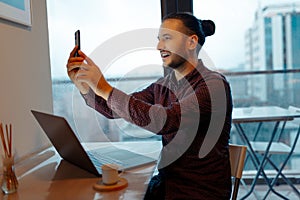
(191, 108)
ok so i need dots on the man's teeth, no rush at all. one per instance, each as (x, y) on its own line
(164, 55)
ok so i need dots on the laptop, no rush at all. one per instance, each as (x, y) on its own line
(70, 149)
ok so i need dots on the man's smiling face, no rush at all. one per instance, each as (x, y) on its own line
(172, 43)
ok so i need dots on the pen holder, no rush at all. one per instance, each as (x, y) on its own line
(9, 180)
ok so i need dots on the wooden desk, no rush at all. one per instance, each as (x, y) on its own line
(46, 176)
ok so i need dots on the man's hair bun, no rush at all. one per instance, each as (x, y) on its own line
(208, 27)
(201, 28)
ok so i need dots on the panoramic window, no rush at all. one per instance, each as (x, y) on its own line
(255, 46)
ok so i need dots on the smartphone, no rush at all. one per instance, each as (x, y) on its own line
(77, 41)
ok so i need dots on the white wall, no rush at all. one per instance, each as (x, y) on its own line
(25, 80)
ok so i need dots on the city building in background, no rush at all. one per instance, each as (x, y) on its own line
(272, 43)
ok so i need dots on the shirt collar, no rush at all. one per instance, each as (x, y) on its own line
(195, 72)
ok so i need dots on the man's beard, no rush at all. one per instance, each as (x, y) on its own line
(177, 62)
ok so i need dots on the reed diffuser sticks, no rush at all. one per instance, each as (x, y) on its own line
(9, 181)
(6, 139)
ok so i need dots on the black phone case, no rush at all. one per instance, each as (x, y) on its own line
(77, 41)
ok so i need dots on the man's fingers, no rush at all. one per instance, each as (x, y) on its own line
(72, 54)
(75, 59)
(87, 59)
(73, 66)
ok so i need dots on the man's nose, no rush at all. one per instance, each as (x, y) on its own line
(160, 45)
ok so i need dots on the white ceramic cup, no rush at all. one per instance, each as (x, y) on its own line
(110, 174)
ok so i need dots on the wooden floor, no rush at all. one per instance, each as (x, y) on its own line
(261, 190)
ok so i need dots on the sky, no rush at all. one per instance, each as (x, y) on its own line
(100, 21)
(232, 19)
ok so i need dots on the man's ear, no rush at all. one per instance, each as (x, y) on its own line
(193, 42)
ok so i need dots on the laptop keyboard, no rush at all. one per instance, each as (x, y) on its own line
(121, 157)
(99, 158)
